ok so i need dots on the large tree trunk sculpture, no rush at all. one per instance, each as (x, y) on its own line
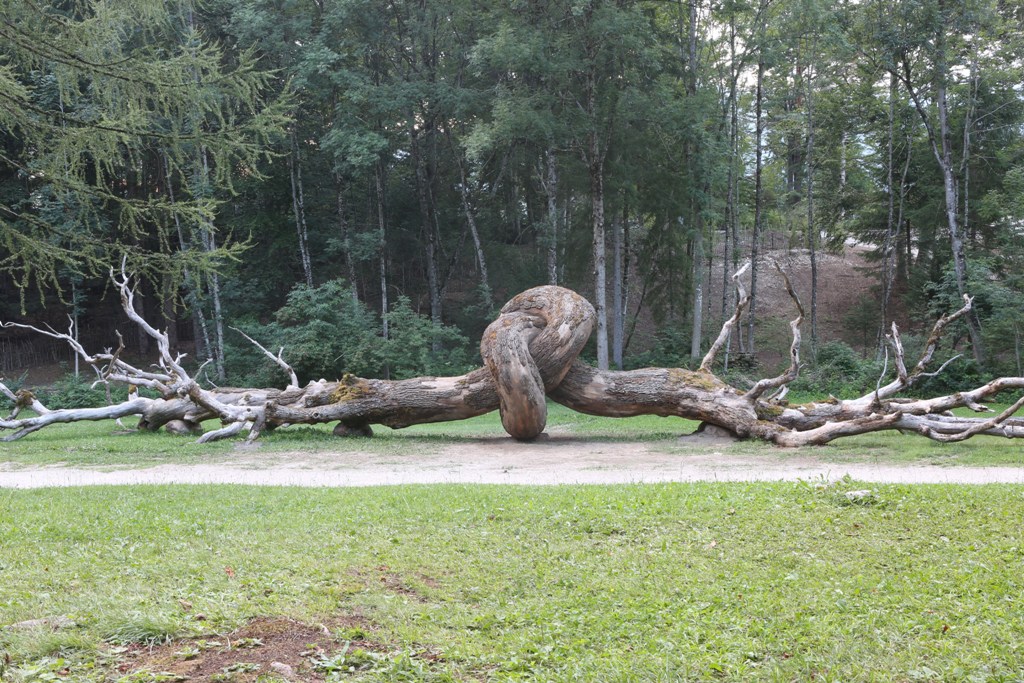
(531, 353)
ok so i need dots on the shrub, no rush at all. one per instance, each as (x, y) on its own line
(71, 392)
(839, 371)
(415, 346)
(671, 349)
(326, 333)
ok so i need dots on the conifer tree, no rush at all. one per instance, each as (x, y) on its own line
(102, 107)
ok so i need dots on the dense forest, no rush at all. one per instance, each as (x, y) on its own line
(365, 183)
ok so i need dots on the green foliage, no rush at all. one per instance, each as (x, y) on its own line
(415, 346)
(326, 333)
(960, 375)
(861, 321)
(670, 349)
(839, 371)
(72, 392)
(105, 103)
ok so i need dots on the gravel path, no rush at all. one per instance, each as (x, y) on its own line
(555, 460)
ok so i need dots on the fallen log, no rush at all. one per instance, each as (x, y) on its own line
(530, 354)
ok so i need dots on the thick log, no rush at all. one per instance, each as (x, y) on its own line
(356, 401)
(530, 354)
(657, 391)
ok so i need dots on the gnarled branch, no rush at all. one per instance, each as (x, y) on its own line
(293, 380)
(743, 300)
(793, 370)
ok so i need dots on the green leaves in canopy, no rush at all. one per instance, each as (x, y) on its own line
(102, 103)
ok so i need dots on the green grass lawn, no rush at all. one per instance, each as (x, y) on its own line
(103, 444)
(735, 582)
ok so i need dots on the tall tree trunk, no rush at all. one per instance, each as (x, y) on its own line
(842, 173)
(201, 188)
(428, 227)
(965, 166)
(730, 201)
(941, 144)
(596, 172)
(299, 209)
(346, 238)
(193, 288)
(755, 238)
(218, 315)
(549, 182)
(382, 235)
(696, 331)
(467, 208)
(952, 203)
(812, 228)
(891, 226)
(209, 240)
(618, 291)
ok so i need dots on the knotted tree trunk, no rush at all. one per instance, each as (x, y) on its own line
(531, 354)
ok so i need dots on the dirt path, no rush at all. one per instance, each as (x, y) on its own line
(499, 460)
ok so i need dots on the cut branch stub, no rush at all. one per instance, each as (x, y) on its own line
(530, 348)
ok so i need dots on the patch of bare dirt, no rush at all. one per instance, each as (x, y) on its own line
(399, 584)
(557, 459)
(282, 648)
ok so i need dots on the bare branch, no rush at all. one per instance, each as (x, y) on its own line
(793, 370)
(833, 430)
(108, 366)
(936, 336)
(941, 367)
(135, 406)
(881, 376)
(54, 334)
(980, 427)
(905, 380)
(224, 432)
(293, 380)
(183, 384)
(728, 325)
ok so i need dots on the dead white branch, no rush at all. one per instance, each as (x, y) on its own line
(904, 380)
(743, 300)
(183, 384)
(793, 371)
(293, 380)
(28, 425)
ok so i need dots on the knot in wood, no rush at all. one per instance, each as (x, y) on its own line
(529, 349)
